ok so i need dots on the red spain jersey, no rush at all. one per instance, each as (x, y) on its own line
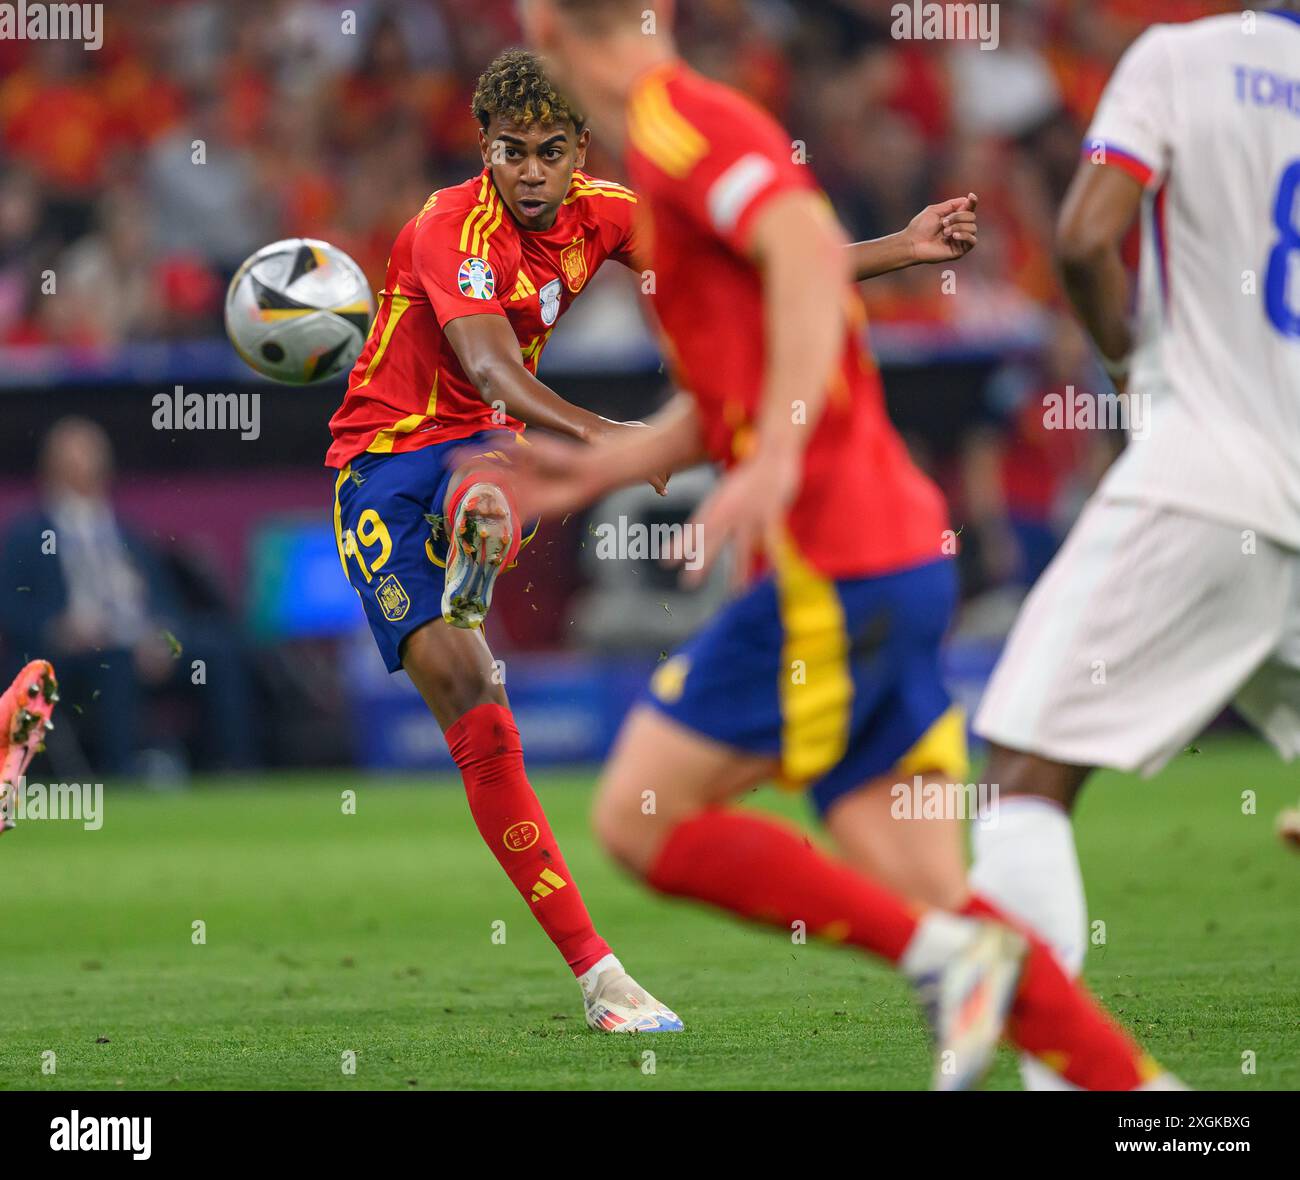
(463, 254)
(705, 161)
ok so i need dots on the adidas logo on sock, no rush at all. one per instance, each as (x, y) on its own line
(547, 884)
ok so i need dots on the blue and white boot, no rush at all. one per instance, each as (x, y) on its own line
(616, 1003)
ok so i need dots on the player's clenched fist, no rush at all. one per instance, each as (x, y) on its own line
(940, 233)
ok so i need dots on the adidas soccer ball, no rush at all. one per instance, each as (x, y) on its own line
(299, 310)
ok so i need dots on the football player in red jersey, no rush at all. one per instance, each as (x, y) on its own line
(825, 671)
(474, 286)
(475, 283)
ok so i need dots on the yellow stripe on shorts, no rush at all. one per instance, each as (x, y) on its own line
(940, 748)
(346, 473)
(816, 686)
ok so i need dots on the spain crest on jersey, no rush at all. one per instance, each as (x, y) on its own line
(475, 279)
(392, 599)
(573, 265)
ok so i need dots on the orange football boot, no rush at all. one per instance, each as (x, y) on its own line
(25, 710)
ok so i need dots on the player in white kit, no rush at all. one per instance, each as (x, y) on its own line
(1178, 590)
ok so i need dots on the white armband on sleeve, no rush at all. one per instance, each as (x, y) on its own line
(732, 192)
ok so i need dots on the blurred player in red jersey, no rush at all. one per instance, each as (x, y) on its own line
(825, 671)
(475, 283)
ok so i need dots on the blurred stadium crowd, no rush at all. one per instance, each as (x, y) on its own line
(311, 130)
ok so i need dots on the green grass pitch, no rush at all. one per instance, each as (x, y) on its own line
(372, 934)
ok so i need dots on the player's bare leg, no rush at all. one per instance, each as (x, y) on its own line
(924, 858)
(453, 670)
(1027, 865)
(921, 858)
(660, 811)
(25, 710)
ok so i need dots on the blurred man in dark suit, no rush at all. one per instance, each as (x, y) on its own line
(79, 587)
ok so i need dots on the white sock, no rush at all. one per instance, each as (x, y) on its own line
(1027, 866)
(938, 937)
(587, 980)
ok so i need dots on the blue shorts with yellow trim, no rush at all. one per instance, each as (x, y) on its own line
(840, 680)
(386, 540)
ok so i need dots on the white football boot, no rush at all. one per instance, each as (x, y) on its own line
(966, 991)
(616, 1003)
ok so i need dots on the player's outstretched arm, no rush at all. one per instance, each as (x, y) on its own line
(1098, 210)
(553, 476)
(489, 353)
(939, 233)
(800, 251)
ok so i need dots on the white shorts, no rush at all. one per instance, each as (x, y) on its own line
(1146, 624)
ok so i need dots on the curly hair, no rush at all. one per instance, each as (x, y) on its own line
(515, 87)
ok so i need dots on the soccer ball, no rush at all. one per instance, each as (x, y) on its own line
(299, 310)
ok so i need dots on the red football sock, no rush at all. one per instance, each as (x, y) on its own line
(1056, 1020)
(486, 747)
(770, 873)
